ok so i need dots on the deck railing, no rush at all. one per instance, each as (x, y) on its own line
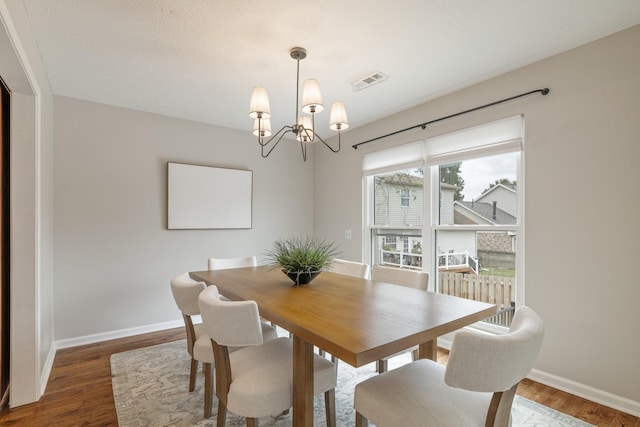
(401, 259)
(457, 260)
(496, 290)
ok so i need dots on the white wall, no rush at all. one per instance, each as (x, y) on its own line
(581, 141)
(114, 253)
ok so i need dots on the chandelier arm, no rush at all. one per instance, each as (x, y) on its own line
(284, 128)
(262, 146)
(327, 145)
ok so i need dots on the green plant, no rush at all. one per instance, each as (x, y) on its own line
(302, 255)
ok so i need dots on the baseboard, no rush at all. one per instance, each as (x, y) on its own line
(94, 338)
(4, 401)
(122, 333)
(587, 392)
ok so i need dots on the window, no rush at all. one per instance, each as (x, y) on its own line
(476, 231)
(451, 205)
(404, 197)
(396, 224)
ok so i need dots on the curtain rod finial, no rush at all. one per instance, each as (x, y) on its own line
(545, 91)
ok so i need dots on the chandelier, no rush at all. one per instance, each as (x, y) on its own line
(304, 127)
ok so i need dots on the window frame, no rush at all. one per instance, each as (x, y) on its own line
(449, 148)
(404, 198)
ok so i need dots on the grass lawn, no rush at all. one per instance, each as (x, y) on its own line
(498, 272)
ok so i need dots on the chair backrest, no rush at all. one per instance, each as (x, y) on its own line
(230, 323)
(493, 363)
(400, 276)
(349, 268)
(225, 263)
(185, 292)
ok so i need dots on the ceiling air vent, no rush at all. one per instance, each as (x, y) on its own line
(368, 81)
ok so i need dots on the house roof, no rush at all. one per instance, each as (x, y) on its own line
(404, 179)
(511, 188)
(485, 210)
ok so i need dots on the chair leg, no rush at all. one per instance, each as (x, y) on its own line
(222, 415)
(208, 390)
(381, 366)
(192, 374)
(499, 411)
(252, 422)
(361, 421)
(330, 407)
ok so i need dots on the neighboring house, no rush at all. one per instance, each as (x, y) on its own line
(399, 200)
(496, 206)
(504, 195)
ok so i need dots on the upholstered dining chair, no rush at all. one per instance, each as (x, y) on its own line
(238, 262)
(256, 380)
(476, 388)
(185, 293)
(403, 277)
(349, 268)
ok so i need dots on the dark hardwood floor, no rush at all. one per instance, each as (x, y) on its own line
(79, 391)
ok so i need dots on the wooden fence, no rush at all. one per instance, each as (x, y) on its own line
(496, 290)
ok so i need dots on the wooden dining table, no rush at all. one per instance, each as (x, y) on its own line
(358, 321)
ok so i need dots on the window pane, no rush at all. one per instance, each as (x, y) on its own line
(480, 191)
(397, 248)
(399, 198)
(479, 265)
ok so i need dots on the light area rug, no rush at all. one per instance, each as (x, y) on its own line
(150, 388)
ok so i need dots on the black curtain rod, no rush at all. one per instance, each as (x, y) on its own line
(544, 91)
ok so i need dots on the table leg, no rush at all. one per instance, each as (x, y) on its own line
(428, 350)
(302, 383)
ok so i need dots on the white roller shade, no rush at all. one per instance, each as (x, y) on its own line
(501, 136)
(401, 157)
(498, 137)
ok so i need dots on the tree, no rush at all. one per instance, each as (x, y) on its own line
(504, 181)
(450, 174)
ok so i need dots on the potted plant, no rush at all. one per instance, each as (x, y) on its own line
(302, 259)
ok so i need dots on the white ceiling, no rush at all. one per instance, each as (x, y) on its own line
(199, 59)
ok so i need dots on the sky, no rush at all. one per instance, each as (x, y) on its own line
(479, 173)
